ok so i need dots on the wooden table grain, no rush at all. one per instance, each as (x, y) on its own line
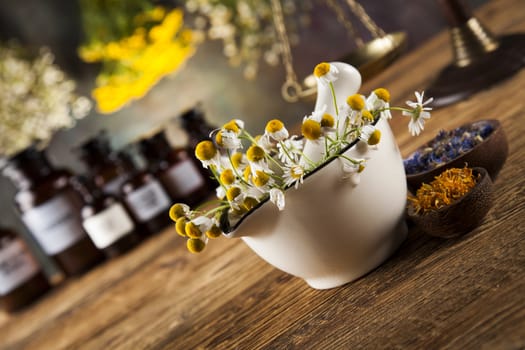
(459, 293)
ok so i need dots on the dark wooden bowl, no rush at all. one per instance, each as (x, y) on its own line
(461, 216)
(489, 154)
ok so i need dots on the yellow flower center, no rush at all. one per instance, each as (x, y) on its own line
(218, 138)
(274, 126)
(356, 102)
(383, 94)
(192, 230)
(255, 153)
(232, 193)
(327, 121)
(231, 126)
(214, 232)
(205, 150)
(321, 69)
(227, 177)
(250, 202)
(261, 178)
(176, 211)
(247, 173)
(367, 115)
(195, 245)
(311, 129)
(374, 138)
(236, 159)
(180, 226)
(296, 172)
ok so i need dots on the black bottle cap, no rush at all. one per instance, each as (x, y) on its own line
(155, 147)
(27, 166)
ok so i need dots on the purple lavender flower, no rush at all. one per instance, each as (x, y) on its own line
(446, 146)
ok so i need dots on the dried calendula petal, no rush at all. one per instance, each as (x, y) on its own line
(446, 188)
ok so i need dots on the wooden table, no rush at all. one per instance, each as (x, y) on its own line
(458, 293)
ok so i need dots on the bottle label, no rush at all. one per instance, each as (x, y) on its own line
(106, 227)
(17, 265)
(55, 224)
(183, 178)
(148, 201)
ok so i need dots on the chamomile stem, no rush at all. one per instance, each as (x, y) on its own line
(235, 170)
(334, 98)
(217, 177)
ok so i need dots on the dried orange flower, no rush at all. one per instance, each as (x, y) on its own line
(448, 187)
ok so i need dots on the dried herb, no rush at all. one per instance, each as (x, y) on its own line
(446, 188)
(447, 146)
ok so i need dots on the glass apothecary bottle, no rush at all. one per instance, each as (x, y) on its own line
(108, 169)
(194, 123)
(105, 219)
(147, 201)
(21, 278)
(196, 126)
(175, 168)
(50, 208)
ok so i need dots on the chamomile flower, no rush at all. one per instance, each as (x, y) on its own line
(265, 142)
(294, 174)
(311, 130)
(379, 99)
(179, 210)
(277, 198)
(418, 114)
(207, 153)
(235, 197)
(276, 130)
(327, 121)
(197, 227)
(262, 179)
(227, 177)
(228, 139)
(256, 156)
(352, 170)
(238, 161)
(370, 134)
(326, 73)
(290, 150)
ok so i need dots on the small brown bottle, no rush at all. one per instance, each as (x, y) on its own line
(50, 208)
(106, 220)
(21, 278)
(147, 201)
(106, 167)
(198, 129)
(176, 169)
(196, 126)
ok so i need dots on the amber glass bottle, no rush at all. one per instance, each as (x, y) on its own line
(108, 169)
(147, 201)
(196, 126)
(21, 278)
(50, 208)
(175, 168)
(105, 219)
(198, 129)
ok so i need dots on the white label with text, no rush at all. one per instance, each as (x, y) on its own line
(148, 201)
(108, 226)
(183, 178)
(16, 266)
(55, 224)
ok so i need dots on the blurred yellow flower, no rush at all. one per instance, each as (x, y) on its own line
(134, 63)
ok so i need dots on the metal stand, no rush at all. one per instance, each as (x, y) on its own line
(480, 59)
